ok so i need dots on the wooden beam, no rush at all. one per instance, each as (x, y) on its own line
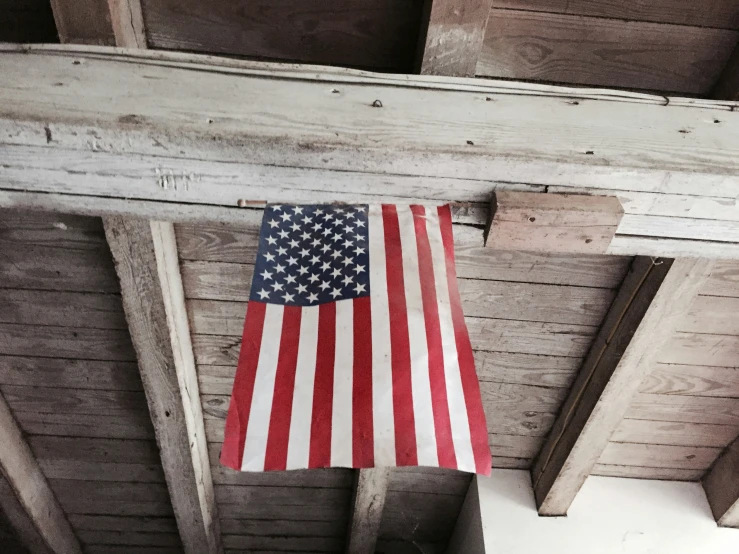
(454, 37)
(115, 115)
(25, 494)
(468, 536)
(83, 22)
(553, 222)
(368, 501)
(654, 298)
(727, 87)
(128, 23)
(721, 484)
(147, 264)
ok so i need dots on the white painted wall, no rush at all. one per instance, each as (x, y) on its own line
(609, 516)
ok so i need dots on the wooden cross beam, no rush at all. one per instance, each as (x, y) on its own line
(368, 501)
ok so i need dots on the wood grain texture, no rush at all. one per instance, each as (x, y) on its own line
(659, 455)
(118, 538)
(151, 287)
(526, 369)
(685, 409)
(654, 297)
(722, 14)
(113, 345)
(94, 450)
(50, 400)
(85, 522)
(692, 380)
(552, 222)
(712, 314)
(369, 493)
(69, 373)
(727, 86)
(136, 425)
(18, 534)
(31, 490)
(701, 349)
(58, 230)
(658, 473)
(721, 484)
(127, 23)
(604, 52)
(112, 498)
(724, 281)
(674, 433)
(83, 21)
(377, 34)
(454, 31)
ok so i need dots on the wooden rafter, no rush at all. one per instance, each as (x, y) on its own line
(82, 22)
(25, 494)
(727, 87)
(368, 501)
(128, 23)
(721, 484)
(653, 299)
(454, 37)
(147, 264)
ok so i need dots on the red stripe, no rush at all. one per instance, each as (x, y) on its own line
(406, 452)
(237, 421)
(470, 385)
(362, 424)
(282, 403)
(323, 388)
(439, 402)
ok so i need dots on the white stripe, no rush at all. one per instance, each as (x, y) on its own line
(298, 445)
(382, 375)
(341, 419)
(255, 445)
(454, 391)
(420, 378)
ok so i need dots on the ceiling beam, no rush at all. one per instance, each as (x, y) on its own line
(83, 22)
(468, 536)
(147, 264)
(27, 498)
(433, 140)
(654, 297)
(727, 87)
(721, 484)
(128, 23)
(454, 36)
(368, 501)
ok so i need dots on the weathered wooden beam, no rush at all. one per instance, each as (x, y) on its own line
(27, 498)
(115, 130)
(553, 222)
(727, 87)
(454, 37)
(128, 23)
(83, 22)
(654, 297)
(721, 484)
(368, 501)
(468, 536)
(147, 263)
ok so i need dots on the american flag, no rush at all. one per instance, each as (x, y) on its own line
(355, 352)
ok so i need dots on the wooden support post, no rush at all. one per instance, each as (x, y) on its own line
(727, 87)
(147, 264)
(82, 22)
(721, 484)
(454, 35)
(546, 223)
(27, 498)
(368, 501)
(653, 299)
(128, 23)
(468, 536)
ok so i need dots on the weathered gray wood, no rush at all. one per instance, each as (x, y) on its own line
(419, 517)
(69, 373)
(31, 490)
(553, 222)
(20, 521)
(711, 314)
(368, 502)
(192, 166)
(146, 261)
(655, 295)
(60, 230)
(724, 281)
(453, 37)
(136, 425)
(112, 498)
(727, 87)
(127, 22)
(674, 433)
(692, 380)
(117, 538)
(432, 480)
(113, 345)
(721, 484)
(257, 528)
(658, 473)
(94, 449)
(82, 21)
(659, 455)
(684, 409)
(701, 349)
(468, 537)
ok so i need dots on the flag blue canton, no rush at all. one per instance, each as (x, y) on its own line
(312, 254)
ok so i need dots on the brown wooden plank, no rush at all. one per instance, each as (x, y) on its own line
(514, 446)
(727, 87)
(710, 13)
(701, 349)
(454, 31)
(66, 342)
(523, 369)
(134, 524)
(136, 425)
(112, 498)
(49, 400)
(658, 473)
(552, 222)
(284, 543)
(281, 528)
(724, 280)
(83, 21)
(128, 538)
(659, 455)
(284, 496)
(692, 381)
(270, 511)
(377, 34)
(712, 314)
(369, 493)
(604, 52)
(95, 450)
(58, 230)
(69, 373)
(674, 433)
(721, 484)
(502, 462)
(102, 471)
(429, 479)
(686, 409)
(127, 22)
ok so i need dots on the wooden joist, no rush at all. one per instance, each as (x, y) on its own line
(434, 140)
(146, 260)
(653, 299)
(721, 484)
(727, 87)
(83, 21)
(25, 494)
(454, 35)
(368, 501)
(128, 23)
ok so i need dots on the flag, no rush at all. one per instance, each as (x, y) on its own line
(355, 352)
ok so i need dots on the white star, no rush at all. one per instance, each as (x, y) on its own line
(348, 229)
(315, 260)
(304, 252)
(288, 297)
(283, 234)
(269, 257)
(292, 261)
(312, 297)
(325, 248)
(303, 270)
(324, 285)
(349, 214)
(347, 261)
(313, 278)
(293, 243)
(279, 268)
(266, 275)
(337, 222)
(263, 294)
(290, 279)
(295, 227)
(335, 254)
(317, 227)
(326, 232)
(359, 237)
(360, 223)
(305, 235)
(325, 266)
(282, 251)
(336, 237)
(339, 210)
(298, 210)
(359, 269)
(271, 240)
(336, 272)
(347, 280)
(329, 216)
(358, 250)
(277, 207)
(277, 286)
(335, 293)
(273, 224)
(307, 219)
(319, 211)
(302, 289)
(359, 288)
(315, 242)
(285, 216)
